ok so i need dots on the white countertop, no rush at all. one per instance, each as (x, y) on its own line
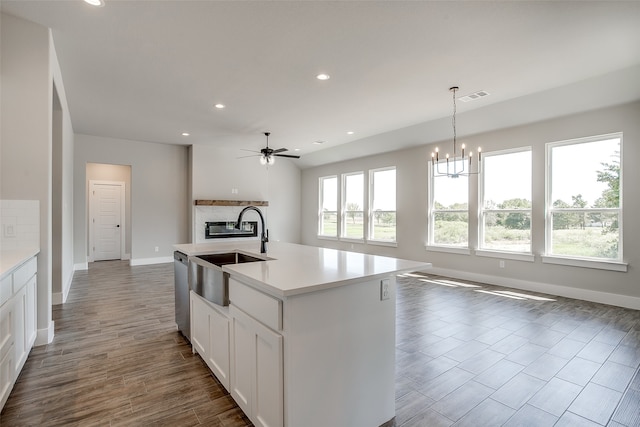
(293, 269)
(10, 259)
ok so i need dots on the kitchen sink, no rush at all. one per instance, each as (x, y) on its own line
(207, 279)
(228, 258)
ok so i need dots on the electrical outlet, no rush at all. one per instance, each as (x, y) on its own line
(501, 263)
(234, 191)
(384, 289)
(157, 249)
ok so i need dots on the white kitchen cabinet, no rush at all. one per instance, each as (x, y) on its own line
(257, 369)
(18, 315)
(7, 353)
(210, 336)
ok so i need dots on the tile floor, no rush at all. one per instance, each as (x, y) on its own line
(468, 354)
(471, 354)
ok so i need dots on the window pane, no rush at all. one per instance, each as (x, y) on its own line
(450, 193)
(353, 208)
(586, 174)
(383, 205)
(507, 180)
(328, 215)
(451, 228)
(585, 234)
(507, 231)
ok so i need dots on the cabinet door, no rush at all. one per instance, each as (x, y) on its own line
(199, 326)
(268, 401)
(6, 375)
(31, 314)
(218, 354)
(242, 359)
(19, 337)
(7, 352)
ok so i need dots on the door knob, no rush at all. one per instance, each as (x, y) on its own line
(118, 225)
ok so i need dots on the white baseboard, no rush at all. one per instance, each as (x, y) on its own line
(45, 336)
(546, 288)
(81, 266)
(58, 298)
(126, 257)
(148, 261)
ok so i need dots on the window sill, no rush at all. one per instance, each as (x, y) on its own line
(449, 249)
(383, 243)
(352, 240)
(516, 256)
(327, 237)
(586, 263)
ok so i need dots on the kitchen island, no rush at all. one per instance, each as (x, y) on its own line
(310, 332)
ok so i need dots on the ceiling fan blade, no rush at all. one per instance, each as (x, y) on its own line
(251, 155)
(287, 155)
(253, 151)
(279, 150)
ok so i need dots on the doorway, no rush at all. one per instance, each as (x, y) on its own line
(106, 212)
(109, 213)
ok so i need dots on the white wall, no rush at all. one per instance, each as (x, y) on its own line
(29, 72)
(412, 201)
(216, 172)
(159, 199)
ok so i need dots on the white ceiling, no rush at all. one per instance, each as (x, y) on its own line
(149, 70)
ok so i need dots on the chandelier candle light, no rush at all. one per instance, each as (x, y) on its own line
(453, 172)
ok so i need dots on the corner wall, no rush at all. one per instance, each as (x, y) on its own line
(412, 200)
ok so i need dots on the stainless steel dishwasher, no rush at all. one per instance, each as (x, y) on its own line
(181, 281)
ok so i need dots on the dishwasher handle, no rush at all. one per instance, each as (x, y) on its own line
(180, 257)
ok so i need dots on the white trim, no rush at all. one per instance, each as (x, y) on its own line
(586, 263)
(448, 249)
(516, 256)
(547, 288)
(149, 261)
(321, 237)
(123, 201)
(58, 298)
(80, 266)
(352, 240)
(390, 243)
(126, 257)
(45, 336)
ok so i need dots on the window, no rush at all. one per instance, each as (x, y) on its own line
(505, 207)
(449, 210)
(328, 212)
(584, 198)
(382, 214)
(353, 205)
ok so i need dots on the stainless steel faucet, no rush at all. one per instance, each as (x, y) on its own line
(264, 236)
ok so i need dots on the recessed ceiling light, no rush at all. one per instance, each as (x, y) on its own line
(350, 132)
(98, 3)
(318, 142)
(323, 76)
(185, 134)
(296, 149)
(219, 106)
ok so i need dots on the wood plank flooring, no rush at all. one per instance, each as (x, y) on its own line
(466, 354)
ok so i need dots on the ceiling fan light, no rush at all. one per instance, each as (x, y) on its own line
(267, 160)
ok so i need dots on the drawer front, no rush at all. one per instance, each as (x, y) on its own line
(22, 275)
(260, 306)
(6, 289)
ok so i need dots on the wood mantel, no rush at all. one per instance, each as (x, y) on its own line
(229, 203)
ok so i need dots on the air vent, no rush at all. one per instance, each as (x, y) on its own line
(473, 96)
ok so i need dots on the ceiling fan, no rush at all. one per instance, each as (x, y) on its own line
(267, 155)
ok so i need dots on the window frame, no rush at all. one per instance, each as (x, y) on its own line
(482, 250)
(343, 210)
(616, 264)
(320, 224)
(431, 213)
(371, 213)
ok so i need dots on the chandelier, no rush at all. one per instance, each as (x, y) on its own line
(455, 165)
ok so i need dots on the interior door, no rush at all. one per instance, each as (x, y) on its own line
(106, 220)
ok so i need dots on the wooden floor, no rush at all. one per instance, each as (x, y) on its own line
(467, 354)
